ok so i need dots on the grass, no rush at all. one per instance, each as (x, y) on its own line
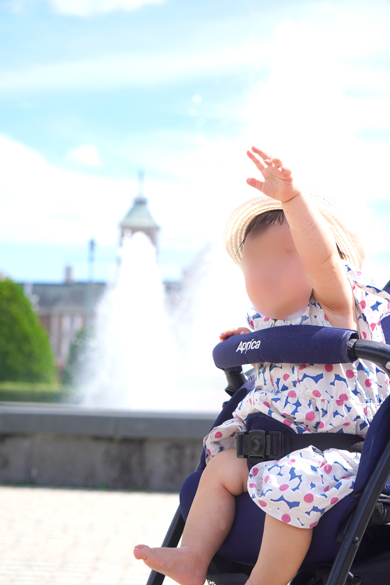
(23, 386)
(33, 392)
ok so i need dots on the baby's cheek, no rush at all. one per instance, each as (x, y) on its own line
(297, 285)
(258, 303)
(253, 287)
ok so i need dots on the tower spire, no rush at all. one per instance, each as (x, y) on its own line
(141, 180)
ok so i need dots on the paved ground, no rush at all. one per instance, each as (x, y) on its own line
(53, 536)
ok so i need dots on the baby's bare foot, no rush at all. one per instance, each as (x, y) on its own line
(180, 564)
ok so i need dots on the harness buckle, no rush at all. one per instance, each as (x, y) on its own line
(260, 445)
(275, 445)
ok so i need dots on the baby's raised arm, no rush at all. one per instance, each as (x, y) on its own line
(313, 240)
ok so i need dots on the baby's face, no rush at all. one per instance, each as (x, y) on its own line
(274, 277)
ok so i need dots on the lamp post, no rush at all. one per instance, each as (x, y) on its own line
(91, 258)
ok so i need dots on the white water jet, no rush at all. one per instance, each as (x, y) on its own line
(132, 343)
(145, 357)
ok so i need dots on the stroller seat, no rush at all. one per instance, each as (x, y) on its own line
(239, 554)
(357, 525)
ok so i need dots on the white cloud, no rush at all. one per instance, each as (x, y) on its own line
(85, 8)
(112, 72)
(85, 155)
(40, 203)
(82, 8)
(369, 82)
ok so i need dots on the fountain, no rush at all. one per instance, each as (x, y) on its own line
(148, 355)
(149, 391)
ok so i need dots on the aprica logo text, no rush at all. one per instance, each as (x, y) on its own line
(245, 345)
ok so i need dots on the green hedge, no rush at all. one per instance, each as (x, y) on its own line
(25, 352)
(37, 392)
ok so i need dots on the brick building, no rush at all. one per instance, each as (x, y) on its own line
(62, 309)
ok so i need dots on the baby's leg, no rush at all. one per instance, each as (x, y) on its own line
(208, 524)
(283, 548)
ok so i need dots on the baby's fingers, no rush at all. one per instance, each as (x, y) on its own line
(268, 159)
(230, 332)
(263, 155)
(254, 159)
(226, 334)
(276, 162)
(255, 183)
(285, 171)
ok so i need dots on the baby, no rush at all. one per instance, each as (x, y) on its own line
(293, 251)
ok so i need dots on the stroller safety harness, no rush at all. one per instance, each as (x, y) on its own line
(259, 445)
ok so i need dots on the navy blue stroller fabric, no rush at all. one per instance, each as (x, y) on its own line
(287, 344)
(244, 540)
(322, 550)
(297, 345)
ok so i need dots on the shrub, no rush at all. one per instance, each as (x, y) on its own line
(25, 352)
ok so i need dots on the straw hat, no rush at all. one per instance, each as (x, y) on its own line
(240, 219)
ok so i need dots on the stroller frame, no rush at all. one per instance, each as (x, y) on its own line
(355, 528)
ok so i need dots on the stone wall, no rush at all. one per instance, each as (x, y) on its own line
(53, 445)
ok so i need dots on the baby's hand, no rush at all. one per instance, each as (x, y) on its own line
(278, 183)
(238, 331)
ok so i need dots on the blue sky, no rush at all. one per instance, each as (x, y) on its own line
(91, 91)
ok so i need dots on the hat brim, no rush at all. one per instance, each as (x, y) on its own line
(238, 223)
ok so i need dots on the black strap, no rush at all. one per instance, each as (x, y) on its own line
(259, 445)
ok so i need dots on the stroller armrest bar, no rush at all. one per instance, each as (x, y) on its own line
(376, 352)
(286, 344)
(235, 379)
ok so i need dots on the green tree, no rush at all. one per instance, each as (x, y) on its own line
(25, 352)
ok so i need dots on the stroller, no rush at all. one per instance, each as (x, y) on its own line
(351, 543)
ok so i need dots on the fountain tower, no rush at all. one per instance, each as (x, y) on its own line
(139, 218)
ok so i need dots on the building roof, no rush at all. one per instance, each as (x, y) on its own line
(66, 297)
(139, 216)
(63, 297)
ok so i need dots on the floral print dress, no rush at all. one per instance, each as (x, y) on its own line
(300, 487)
